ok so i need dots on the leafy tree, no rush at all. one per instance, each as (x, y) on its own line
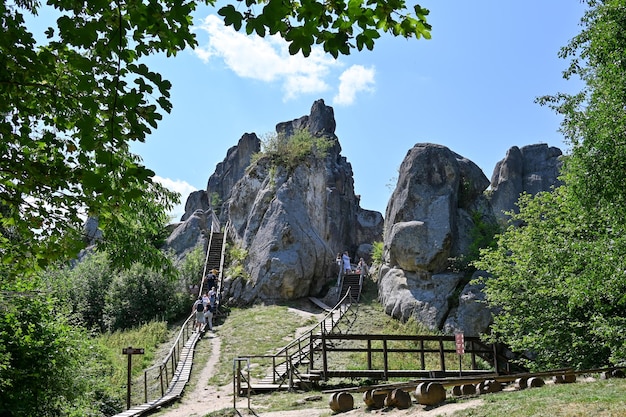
(559, 287)
(559, 277)
(594, 120)
(36, 330)
(139, 295)
(71, 104)
(82, 288)
(334, 24)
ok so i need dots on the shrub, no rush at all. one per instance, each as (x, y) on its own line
(291, 150)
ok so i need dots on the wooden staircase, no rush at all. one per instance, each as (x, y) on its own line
(214, 256)
(353, 284)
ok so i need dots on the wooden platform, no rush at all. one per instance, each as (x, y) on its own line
(320, 304)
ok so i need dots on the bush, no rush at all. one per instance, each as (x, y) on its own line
(140, 295)
(290, 151)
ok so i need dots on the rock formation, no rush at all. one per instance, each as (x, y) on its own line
(531, 169)
(429, 220)
(292, 221)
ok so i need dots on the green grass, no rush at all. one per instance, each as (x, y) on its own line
(258, 330)
(599, 398)
(153, 337)
(254, 331)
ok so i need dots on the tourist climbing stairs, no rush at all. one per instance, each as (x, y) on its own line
(164, 383)
(215, 260)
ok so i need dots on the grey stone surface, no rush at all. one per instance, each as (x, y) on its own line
(420, 295)
(529, 169)
(471, 316)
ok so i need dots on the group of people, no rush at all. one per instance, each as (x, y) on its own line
(345, 264)
(206, 304)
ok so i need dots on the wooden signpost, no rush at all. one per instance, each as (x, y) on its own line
(130, 351)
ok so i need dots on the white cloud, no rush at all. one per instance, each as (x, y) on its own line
(181, 187)
(266, 59)
(355, 79)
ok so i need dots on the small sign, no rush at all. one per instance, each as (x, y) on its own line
(459, 340)
(132, 351)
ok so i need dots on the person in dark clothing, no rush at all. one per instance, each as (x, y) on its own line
(210, 280)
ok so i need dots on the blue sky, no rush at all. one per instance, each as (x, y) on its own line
(470, 88)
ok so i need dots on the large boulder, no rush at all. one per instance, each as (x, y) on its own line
(429, 221)
(419, 294)
(529, 169)
(226, 175)
(189, 234)
(435, 186)
(197, 200)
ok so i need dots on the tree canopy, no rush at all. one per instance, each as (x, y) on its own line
(559, 274)
(71, 105)
(72, 101)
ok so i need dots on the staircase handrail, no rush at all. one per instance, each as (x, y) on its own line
(172, 356)
(320, 324)
(222, 258)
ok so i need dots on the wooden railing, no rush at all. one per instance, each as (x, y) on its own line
(379, 347)
(157, 378)
(284, 363)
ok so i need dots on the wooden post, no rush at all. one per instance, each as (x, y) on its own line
(129, 351)
(495, 358)
(385, 358)
(369, 354)
(473, 348)
(324, 359)
(442, 358)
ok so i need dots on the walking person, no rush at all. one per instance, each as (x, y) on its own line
(198, 310)
(347, 266)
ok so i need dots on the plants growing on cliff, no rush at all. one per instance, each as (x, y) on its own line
(377, 252)
(289, 151)
(235, 259)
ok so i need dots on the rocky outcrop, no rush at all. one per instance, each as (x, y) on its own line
(470, 315)
(189, 234)
(292, 222)
(226, 175)
(197, 200)
(531, 169)
(435, 189)
(426, 222)
(192, 232)
(429, 221)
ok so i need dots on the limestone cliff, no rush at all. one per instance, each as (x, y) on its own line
(292, 222)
